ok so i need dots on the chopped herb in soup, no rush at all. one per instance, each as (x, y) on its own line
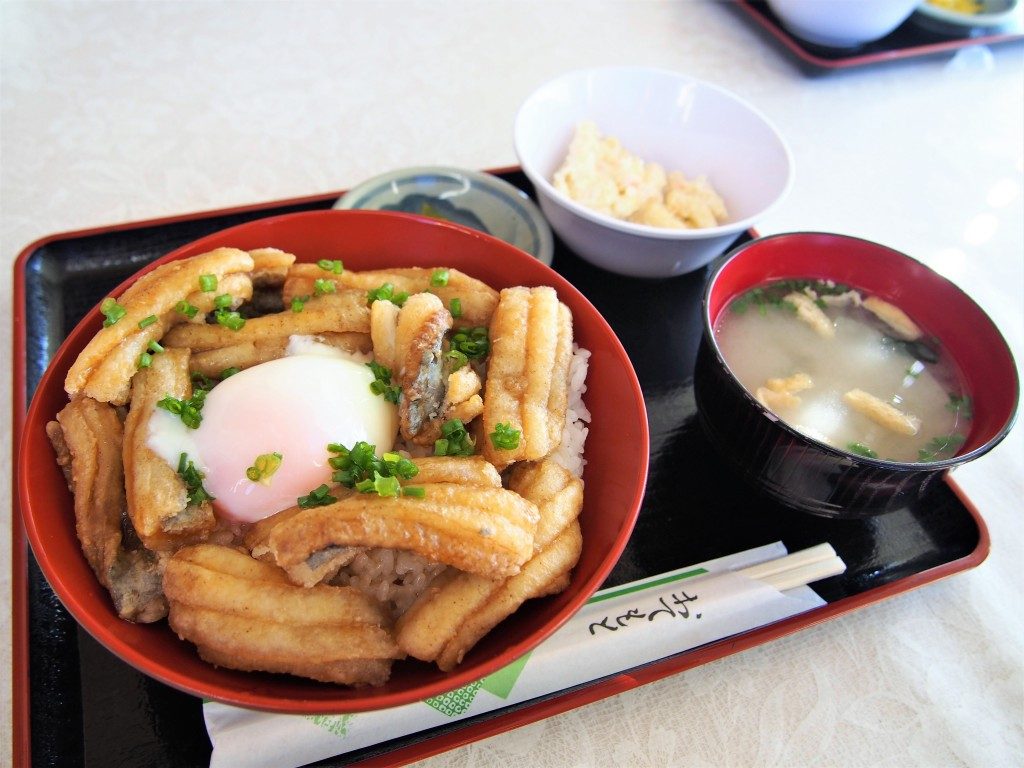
(847, 369)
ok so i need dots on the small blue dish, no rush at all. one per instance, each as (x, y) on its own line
(476, 200)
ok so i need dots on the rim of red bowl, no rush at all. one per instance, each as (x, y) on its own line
(283, 693)
(896, 277)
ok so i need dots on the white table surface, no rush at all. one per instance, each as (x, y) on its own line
(113, 112)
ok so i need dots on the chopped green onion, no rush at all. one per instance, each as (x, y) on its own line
(207, 283)
(145, 360)
(472, 342)
(331, 265)
(223, 301)
(264, 467)
(147, 321)
(415, 491)
(112, 311)
(322, 285)
(457, 359)
(318, 497)
(861, 450)
(186, 309)
(505, 438)
(228, 372)
(361, 469)
(439, 278)
(937, 446)
(381, 385)
(386, 292)
(202, 381)
(455, 306)
(961, 405)
(188, 410)
(193, 478)
(299, 303)
(154, 347)
(231, 320)
(386, 485)
(454, 440)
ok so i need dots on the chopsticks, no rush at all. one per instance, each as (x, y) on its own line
(797, 569)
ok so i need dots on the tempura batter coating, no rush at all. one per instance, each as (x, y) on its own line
(156, 293)
(527, 384)
(477, 298)
(545, 574)
(344, 311)
(110, 380)
(488, 531)
(419, 368)
(87, 437)
(245, 614)
(157, 497)
(270, 266)
(458, 609)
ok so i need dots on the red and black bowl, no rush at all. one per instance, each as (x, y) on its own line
(615, 481)
(800, 471)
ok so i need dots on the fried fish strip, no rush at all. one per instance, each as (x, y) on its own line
(110, 380)
(478, 299)
(325, 564)
(545, 574)
(419, 368)
(344, 311)
(528, 373)
(458, 609)
(383, 325)
(155, 293)
(488, 531)
(87, 437)
(157, 497)
(213, 362)
(244, 614)
(315, 569)
(270, 266)
(461, 470)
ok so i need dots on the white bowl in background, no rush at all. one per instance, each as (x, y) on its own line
(680, 122)
(842, 23)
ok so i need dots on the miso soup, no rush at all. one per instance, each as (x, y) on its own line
(847, 369)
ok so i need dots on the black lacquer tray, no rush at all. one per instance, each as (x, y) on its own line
(78, 705)
(912, 39)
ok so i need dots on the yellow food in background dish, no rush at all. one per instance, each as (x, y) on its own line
(959, 6)
(601, 174)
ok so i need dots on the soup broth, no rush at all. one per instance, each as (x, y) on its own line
(846, 369)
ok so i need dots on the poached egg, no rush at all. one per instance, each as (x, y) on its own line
(293, 406)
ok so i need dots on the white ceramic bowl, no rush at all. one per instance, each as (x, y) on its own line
(682, 123)
(474, 199)
(842, 23)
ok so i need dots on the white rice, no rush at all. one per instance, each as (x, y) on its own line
(395, 577)
(574, 434)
